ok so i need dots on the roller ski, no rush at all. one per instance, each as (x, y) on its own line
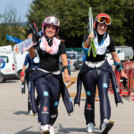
(106, 126)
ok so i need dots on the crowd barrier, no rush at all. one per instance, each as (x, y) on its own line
(129, 70)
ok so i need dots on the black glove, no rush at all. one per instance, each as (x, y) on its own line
(30, 28)
(33, 30)
(35, 37)
(124, 81)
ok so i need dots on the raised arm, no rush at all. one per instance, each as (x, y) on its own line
(32, 51)
(87, 42)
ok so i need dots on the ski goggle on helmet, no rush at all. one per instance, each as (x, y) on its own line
(51, 20)
(102, 18)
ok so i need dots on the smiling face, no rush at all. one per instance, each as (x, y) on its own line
(50, 30)
(101, 28)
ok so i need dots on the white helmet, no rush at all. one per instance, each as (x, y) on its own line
(51, 20)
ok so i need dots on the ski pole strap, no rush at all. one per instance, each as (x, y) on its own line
(119, 66)
(68, 68)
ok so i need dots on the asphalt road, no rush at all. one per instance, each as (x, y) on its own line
(14, 118)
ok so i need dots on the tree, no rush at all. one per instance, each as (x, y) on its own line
(71, 13)
(128, 23)
(10, 25)
(73, 16)
(115, 10)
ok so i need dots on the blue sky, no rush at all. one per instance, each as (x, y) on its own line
(21, 7)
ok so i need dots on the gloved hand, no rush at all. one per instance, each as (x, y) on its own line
(33, 30)
(124, 81)
(35, 37)
(29, 29)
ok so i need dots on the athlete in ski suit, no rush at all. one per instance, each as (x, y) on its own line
(48, 78)
(96, 70)
(26, 74)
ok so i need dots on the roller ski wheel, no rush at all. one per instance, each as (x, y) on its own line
(45, 132)
(108, 127)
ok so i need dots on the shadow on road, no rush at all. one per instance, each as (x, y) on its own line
(78, 130)
(21, 112)
(27, 132)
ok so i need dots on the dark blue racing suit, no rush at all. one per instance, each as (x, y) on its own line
(96, 70)
(32, 63)
(49, 84)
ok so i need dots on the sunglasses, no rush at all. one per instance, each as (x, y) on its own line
(104, 19)
(53, 20)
